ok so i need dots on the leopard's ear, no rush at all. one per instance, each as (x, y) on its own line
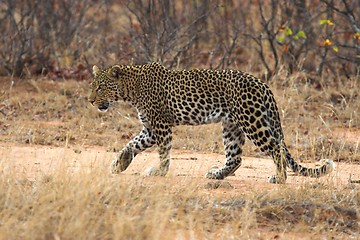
(96, 70)
(115, 71)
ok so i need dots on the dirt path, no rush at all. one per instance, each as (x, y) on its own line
(33, 162)
(37, 163)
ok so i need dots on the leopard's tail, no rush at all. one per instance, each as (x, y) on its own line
(326, 168)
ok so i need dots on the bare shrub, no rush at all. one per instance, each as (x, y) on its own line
(343, 34)
(49, 36)
(40, 35)
(166, 31)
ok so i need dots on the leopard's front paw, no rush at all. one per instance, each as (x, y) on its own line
(276, 180)
(122, 161)
(214, 173)
(115, 167)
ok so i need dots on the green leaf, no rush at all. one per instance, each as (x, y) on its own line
(301, 34)
(280, 39)
(323, 21)
(288, 31)
(327, 22)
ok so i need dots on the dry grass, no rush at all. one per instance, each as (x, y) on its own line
(91, 204)
(312, 116)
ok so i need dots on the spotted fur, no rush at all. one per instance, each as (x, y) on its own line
(164, 98)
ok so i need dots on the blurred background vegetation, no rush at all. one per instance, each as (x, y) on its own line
(64, 38)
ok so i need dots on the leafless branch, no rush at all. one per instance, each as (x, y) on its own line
(348, 14)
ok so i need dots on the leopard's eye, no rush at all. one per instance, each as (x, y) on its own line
(99, 90)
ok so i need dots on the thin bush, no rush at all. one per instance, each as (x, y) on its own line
(263, 36)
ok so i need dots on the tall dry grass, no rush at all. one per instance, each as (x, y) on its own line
(92, 204)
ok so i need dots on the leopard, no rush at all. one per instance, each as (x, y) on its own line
(164, 98)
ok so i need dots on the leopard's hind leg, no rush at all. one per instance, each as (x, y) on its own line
(233, 139)
(270, 141)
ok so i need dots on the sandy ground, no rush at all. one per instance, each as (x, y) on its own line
(34, 162)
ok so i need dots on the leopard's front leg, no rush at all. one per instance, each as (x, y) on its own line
(163, 134)
(139, 143)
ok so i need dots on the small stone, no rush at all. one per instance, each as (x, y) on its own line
(218, 184)
(78, 151)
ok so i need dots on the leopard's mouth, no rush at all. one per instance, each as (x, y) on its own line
(103, 106)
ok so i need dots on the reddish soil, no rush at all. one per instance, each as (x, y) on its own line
(34, 162)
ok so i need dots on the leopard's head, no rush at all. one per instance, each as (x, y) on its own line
(107, 86)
